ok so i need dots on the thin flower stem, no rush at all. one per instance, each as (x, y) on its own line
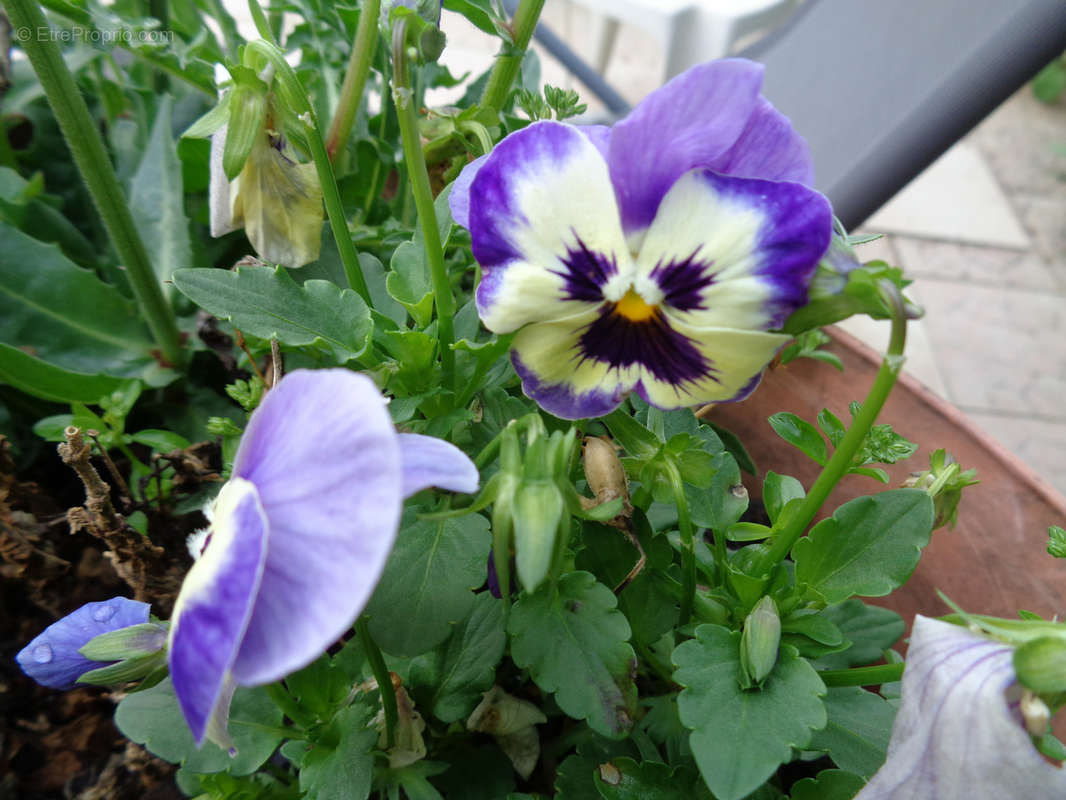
(382, 676)
(688, 546)
(366, 40)
(831, 473)
(403, 97)
(280, 696)
(293, 95)
(509, 61)
(93, 163)
(862, 676)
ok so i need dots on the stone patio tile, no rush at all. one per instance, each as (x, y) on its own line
(1041, 444)
(1024, 142)
(989, 266)
(956, 198)
(1045, 217)
(999, 350)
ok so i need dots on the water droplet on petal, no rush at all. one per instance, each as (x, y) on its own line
(104, 613)
(42, 654)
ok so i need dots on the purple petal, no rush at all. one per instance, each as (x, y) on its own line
(214, 608)
(52, 658)
(459, 199)
(428, 461)
(692, 121)
(727, 252)
(955, 736)
(768, 148)
(323, 454)
(599, 135)
(544, 226)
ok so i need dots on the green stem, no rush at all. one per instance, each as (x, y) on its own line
(509, 61)
(95, 167)
(862, 676)
(688, 546)
(403, 97)
(838, 465)
(382, 676)
(355, 77)
(293, 95)
(288, 705)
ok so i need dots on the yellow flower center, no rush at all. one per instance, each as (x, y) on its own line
(633, 307)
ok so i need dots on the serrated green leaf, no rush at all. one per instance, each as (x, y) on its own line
(427, 583)
(857, 733)
(266, 302)
(469, 660)
(720, 505)
(778, 491)
(801, 434)
(740, 737)
(869, 547)
(871, 630)
(408, 282)
(574, 641)
(152, 718)
(574, 778)
(66, 316)
(49, 382)
(340, 764)
(157, 201)
(830, 784)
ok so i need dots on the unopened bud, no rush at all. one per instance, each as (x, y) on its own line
(759, 643)
(1041, 664)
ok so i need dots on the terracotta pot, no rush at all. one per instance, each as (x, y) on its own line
(994, 561)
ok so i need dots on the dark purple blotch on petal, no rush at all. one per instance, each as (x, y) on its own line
(586, 272)
(652, 343)
(682, 280)
(561, 400)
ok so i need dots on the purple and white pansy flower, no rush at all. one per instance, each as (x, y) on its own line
(959, 733)
(655, 256)
(299, 537)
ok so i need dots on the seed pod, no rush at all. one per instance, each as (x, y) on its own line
(604, 471)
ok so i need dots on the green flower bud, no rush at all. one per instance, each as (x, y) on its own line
(944, 481)
(247, 116)
(1041, 664)
(759, 643)
(131, 642)
(538, 512)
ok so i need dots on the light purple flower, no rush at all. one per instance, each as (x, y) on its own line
(299, 537)
(52, 659)
(653, 256)
(958, 736)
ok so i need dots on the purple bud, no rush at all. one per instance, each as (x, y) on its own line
(53, 660)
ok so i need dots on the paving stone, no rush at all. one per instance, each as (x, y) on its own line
(990, 266)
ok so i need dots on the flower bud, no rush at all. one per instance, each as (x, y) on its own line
(759, 643)
(1041, 664)
(54, 659)
(247, 115)
(944, 481)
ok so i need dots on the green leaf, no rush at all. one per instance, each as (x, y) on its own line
(800, 433)
(1050, 82)
(740, 737)
(857, 733)
(830, 784)
(469, 660)
(157, 201)
(408, 282)
(68, 317)
(427, 583)
(635, 439)
(574, 778)
(159, 440)
(626, 779)
(574, 641)
(869, 547)
(731, 442)
(49, 382)
(871, 629)
(266, 302)
(152, 718)
(778, 491)
(340, 764)
(723, 503)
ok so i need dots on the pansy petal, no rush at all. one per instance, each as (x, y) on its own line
(692, 121)
(214, 607)
(428, 461)
(459, 198)
(956, 736)
(544, 226)
(322, 451)
(564, 379)
(733, 252)
(768, 148)
(731, 363)
(52, 658)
